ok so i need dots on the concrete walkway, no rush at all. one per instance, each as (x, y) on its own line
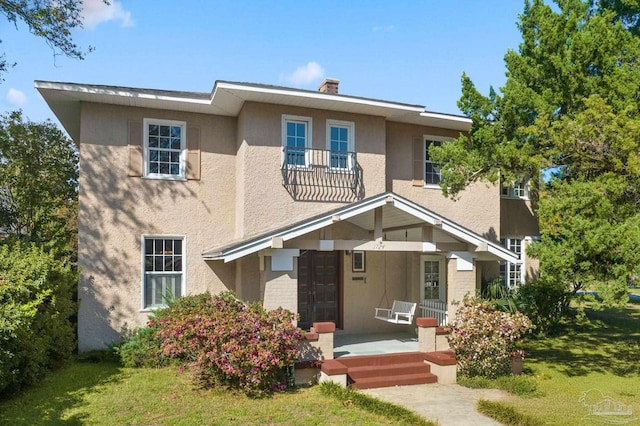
(449, 405)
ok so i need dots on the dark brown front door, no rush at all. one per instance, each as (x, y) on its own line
(318, 287)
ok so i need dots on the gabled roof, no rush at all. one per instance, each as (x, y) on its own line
(227, 99)
(401, 212)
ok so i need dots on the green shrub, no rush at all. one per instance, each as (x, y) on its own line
(544, 302)
(502, 298)
(141, 349)
(229, 342)
(484, 338)
(36, 333)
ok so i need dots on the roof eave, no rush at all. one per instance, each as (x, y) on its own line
(240, 250)
(227, 98)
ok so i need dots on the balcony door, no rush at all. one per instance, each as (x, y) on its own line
(340, 144)
(318, 287)
(296, 138)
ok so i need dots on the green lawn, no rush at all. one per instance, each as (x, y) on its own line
(105, 394)
(603, 354)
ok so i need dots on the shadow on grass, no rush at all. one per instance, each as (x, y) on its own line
(61, 391)
(608, 343)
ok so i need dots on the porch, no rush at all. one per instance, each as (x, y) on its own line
(386, 359)
(340, 265)
(374, 344)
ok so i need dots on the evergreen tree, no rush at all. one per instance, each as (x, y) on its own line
(571, 102)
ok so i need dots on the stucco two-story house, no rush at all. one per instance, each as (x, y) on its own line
(325, 204)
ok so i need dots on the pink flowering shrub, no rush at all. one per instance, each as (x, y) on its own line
(228, 342)
(485, 339)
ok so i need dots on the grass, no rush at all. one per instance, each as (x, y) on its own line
(373, 405)
(601, 354)
(104, 394)
(506, 414)
(520, 385)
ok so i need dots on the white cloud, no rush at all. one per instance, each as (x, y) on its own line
(306, 74)
(96, 11)
(16, 97)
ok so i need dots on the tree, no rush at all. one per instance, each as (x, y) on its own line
(38, 183)
(571, 102)
(53, 20)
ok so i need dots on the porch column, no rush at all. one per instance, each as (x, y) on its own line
(280, 279)
(427, 334)
(460, 283)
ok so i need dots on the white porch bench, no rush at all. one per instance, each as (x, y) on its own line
(400, 313)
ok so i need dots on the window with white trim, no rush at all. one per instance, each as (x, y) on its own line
(511, 273)
(340, 143)
(517, 190)
(432, 175)
(164, 148)
(162, 258)
(296, 138)
(432, 281)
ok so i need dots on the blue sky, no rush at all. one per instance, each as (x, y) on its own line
(405, 51)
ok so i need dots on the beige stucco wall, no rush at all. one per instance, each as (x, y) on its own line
(517, 218)
(116, 210)
(377, 288)
(477, 207)
(531, 265)
(459, 284)
(280, 288)
(248, 278)
(263, 203)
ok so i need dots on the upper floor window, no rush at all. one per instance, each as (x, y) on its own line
(164, 149)
(163, 270)
(517, 190)
(432, 176)
(340, 143)
(296, 137)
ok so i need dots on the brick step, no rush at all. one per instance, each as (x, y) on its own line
(357, 373)
(387, 381)
(383, 359)
(442, 357)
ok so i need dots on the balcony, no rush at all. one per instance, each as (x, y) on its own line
(321, 175)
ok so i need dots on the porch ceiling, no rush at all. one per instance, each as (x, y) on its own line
(391, 218)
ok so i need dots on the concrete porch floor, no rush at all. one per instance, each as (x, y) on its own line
(373, 344)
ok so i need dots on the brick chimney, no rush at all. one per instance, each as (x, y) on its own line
(329, 85)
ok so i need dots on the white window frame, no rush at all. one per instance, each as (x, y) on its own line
(286, 118)
(507, 268)
(425, 139)
(351, 129)
(442, 296)
(183, 148)
(183, 281)
(517, 191)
